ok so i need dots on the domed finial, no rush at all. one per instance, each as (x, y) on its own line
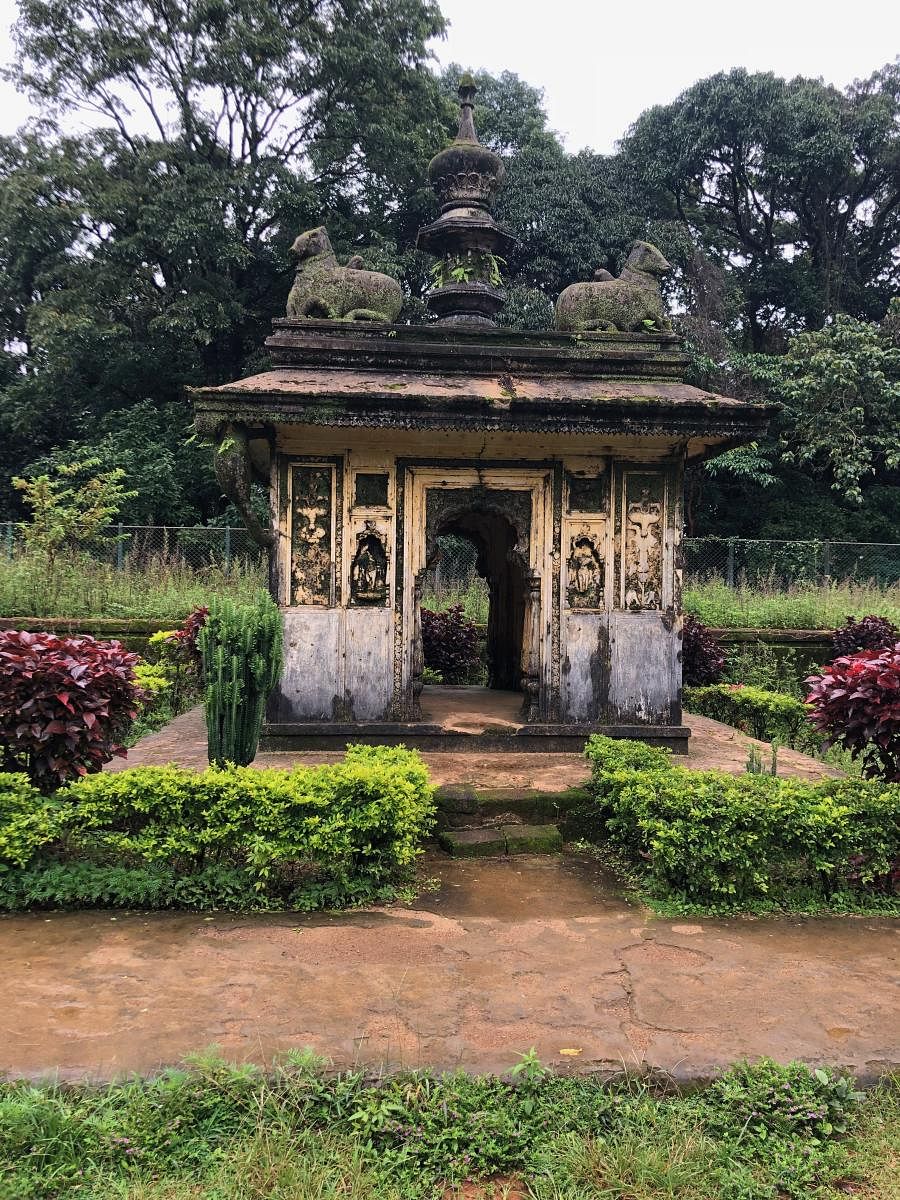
(467, 92)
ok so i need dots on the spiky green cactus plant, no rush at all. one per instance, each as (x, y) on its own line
(241, 647)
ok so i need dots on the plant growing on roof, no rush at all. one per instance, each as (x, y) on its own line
(475, 266)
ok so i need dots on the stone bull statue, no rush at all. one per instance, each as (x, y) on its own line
(622, 304)
(322, 288)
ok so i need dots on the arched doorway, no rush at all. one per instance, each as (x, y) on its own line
(504, 514)
(502, 567)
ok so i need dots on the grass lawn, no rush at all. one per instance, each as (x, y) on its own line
(223, 1132)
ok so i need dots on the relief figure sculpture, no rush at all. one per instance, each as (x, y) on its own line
(643, 554)
(586, 572)
(368, 571)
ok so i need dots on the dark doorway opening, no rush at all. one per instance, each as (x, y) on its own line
(500, 565)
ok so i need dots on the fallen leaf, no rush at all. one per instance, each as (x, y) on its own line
(571, 1053)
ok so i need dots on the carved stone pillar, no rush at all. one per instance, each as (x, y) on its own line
(531, 648)
(417, 663)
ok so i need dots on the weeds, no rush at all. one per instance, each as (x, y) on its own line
(803, 606)
(224, 1132)
(158, 587)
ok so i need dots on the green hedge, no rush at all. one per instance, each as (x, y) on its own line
(769, 716)
(336, 832)
(714, 839)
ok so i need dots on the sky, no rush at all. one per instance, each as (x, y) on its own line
(601, 64)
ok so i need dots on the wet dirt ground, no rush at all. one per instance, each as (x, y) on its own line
(505, 954)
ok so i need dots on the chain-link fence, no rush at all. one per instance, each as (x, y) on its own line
(768, 565)
(141, 546)
(777, 565)
(453, 578)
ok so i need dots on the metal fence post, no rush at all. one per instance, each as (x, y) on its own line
(9, 540)
(826, 561)
(227, 546)
(729, 565)
(120, 550)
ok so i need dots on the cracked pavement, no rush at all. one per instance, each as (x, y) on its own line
(505, 955)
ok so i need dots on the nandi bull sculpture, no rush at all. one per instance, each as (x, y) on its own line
(631, 302)
(322, 288)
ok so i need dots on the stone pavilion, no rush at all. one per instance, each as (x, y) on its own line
(560, 454)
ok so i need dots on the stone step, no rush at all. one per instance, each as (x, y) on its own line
(490, 841)
(461, 806)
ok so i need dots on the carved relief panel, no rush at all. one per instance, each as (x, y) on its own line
(643, 533)
(371, 535)
(586, 564)
(370, 565)
(586, 539)
(312, 535)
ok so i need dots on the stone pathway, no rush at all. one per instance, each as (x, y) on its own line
(507, 954)
(712, 745)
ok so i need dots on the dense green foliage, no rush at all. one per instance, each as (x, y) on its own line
(728, 842)
(136, 262)
(768, 715)
(162, 837)
(169, 681)
(241, 654)
(151, 250)
(759, 1132)
(773, 668)
(156, 587)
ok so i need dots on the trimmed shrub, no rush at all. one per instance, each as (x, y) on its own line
(869, 633)
(855, 703)
(769, 716)
(340, 830)
(241, 649)
(702, 658)
(28, 820)
(450, 643)
(717, 839)
(65, 704)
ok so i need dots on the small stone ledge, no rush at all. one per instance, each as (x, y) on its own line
(505, 839)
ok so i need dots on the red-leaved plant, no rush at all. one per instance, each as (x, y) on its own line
(65, 702)
(856, 703)
(868, 633)
(184, 640)
(450, 642)
(702, 658)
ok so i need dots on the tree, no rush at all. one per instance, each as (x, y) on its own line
(792, 188)
(68, 511)
(160, 250)
(840, 387)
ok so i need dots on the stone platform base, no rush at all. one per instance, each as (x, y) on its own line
(544, 739)
(464, 718)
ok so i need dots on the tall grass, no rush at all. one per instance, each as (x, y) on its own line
(801, 606)
(155, 587)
